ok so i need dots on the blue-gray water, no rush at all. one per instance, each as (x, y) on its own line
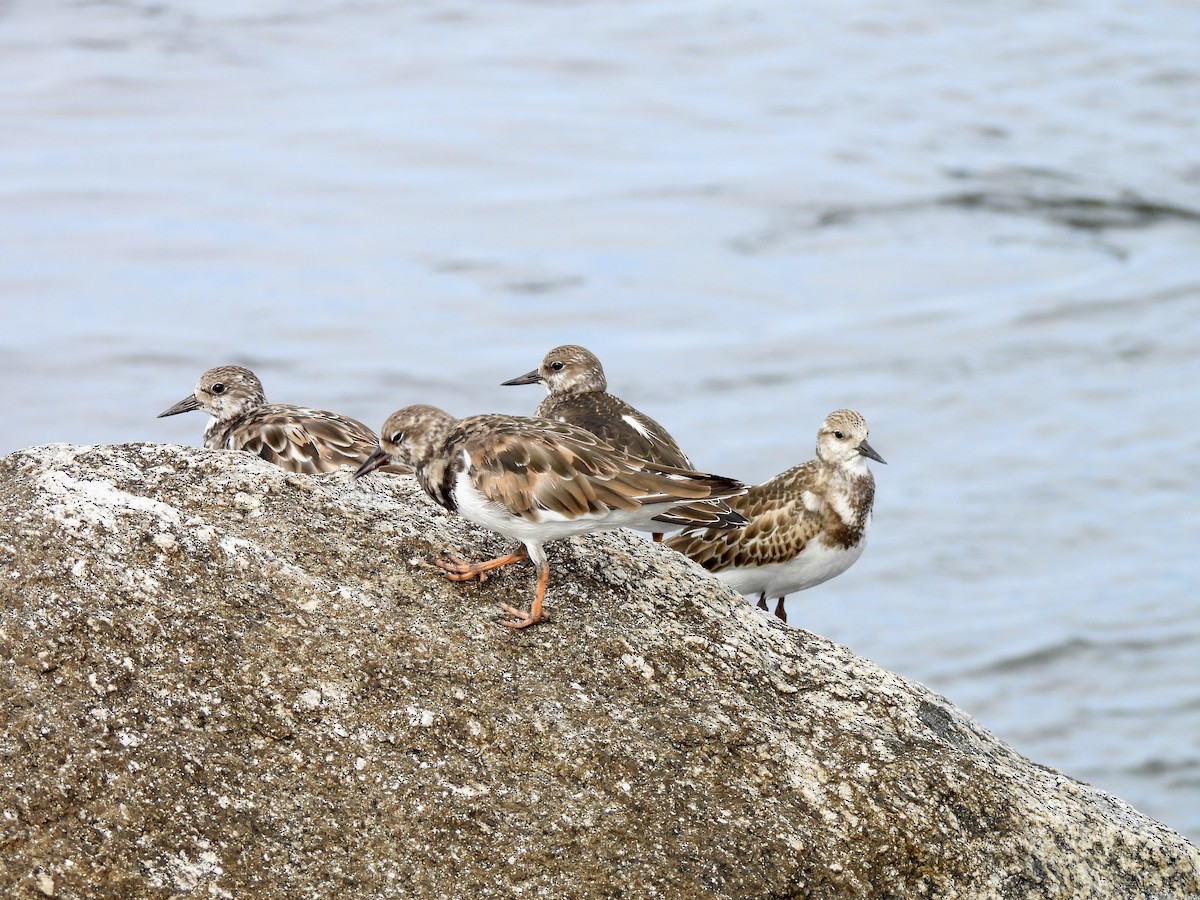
(979, 224)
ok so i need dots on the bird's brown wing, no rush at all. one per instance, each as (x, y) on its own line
(611, 419)
(531, 465)
(784, 514)
(304, 440)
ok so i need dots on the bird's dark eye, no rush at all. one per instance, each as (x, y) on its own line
(839, 435)
(218, 388)
(556, 365)
(397, 437)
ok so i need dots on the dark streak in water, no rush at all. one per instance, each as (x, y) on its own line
(1126, 306)
(1073, 648)
(1080, 212)
(543, 285)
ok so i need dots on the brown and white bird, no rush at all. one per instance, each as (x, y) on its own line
(577, 394)
(535, 480)
(807, 524)
(297, 438)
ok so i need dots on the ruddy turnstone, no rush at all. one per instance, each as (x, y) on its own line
(577, 394)
(807, 524)
(297, 438)
(535, 480)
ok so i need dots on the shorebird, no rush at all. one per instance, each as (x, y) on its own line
(535, 480)
(296, 438)
(807, 525)
(577, 394)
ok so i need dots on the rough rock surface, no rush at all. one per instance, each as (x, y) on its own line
(224, 680)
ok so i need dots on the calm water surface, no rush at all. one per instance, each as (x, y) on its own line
(977, 224)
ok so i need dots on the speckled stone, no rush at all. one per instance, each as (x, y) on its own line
(230, 681)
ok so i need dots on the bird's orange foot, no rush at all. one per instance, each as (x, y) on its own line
(459, 570)
(520, 618)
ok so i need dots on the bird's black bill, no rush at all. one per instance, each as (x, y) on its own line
(187, 404)
(377, 460)
(869, 452)
(528, 378)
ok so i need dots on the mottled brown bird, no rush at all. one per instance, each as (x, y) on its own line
(296, 438)
(534, 480)
(806, 525)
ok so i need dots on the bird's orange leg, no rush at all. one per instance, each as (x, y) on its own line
(457, 570)
(762, 600)
(779, 610)
(525, 619)
(658, 536)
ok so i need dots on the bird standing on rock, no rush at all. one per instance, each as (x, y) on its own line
(807, 525)
(535, 480)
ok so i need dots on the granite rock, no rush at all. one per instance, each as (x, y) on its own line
(224, 680)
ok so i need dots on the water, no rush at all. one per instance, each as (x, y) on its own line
(978, 224)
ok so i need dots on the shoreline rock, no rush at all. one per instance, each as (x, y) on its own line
(228, 680)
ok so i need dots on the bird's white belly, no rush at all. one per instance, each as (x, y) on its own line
(816, 564)
(548, 526)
